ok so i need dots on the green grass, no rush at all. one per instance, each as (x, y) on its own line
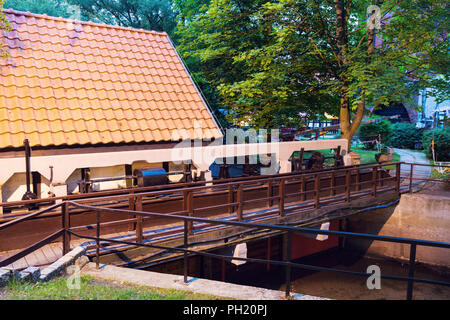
(93, 289)
(368, 156)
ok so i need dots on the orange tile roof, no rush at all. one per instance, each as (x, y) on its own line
(76, 83)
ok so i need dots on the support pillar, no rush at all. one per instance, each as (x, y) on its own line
(1, 200)
(285, 166)
(60, 190)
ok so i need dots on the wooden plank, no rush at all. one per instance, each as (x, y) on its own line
(26, 251)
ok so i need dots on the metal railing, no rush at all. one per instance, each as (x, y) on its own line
(410, 174)
(351, 187)
(289, 230)
(235, 202)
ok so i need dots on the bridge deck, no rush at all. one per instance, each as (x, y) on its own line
(157, 234)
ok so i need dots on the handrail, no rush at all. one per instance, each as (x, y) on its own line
(22, 253)
(261, 226)
(187, 195)
(251, 180)
(28, 216)
(268, 226)
(181, 185)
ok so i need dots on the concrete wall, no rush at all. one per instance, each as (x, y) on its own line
(62, 170)
(419, 216)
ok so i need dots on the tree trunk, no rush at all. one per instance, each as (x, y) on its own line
(349, 124)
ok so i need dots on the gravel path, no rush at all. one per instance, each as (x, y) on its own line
(413, 157)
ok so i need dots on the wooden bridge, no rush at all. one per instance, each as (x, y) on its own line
(39, 237)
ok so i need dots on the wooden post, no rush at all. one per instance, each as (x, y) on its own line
(316, 191)
(397, 178)
(281, 193)
(269, 193)
(332, 184)
(374, 181)
(380, 177)
(303, 188)
(230, 198)
(240, 198)
(132, 207)
(358, 180)
(188, 206)
(66, 225)
(347, 185)
(139, 220)
(411, 178)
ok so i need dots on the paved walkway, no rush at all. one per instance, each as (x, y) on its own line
(410, 156)
(197, 285)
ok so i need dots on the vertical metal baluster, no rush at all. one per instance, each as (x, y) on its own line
(412, 265)
(288, 267)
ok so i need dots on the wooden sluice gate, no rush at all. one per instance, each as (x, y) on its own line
(279, 199)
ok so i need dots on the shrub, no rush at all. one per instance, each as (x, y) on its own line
(441, 143)
(370, 131)
(404, 135)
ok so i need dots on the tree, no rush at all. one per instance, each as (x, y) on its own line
(4, 25)
(274, 63)
(55, 8)
(155, 15)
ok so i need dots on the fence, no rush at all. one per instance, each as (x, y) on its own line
(353, 187)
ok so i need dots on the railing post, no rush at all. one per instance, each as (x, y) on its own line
(316, 191)
(348, 180)
(358, 180)
(411, 177)
(132, 207)
(230, 198)
(269, 193)
(288, 267)
(374, 181)
(303, 188)
(185, 257)
(380, 176)
(332, 183)
(188, 207)
(139, 220)
(281, 192)
(66, 226)
(412, 265)
(397, 178)
(97, 241)
(240, 199)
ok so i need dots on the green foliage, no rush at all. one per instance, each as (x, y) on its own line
(404, 135)
(441, 144)
(269, 61)
(92, 289)
(4, 25)
(55, 8)
(371, 131)
(155, 15)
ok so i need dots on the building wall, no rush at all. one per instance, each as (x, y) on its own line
(15, 187)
